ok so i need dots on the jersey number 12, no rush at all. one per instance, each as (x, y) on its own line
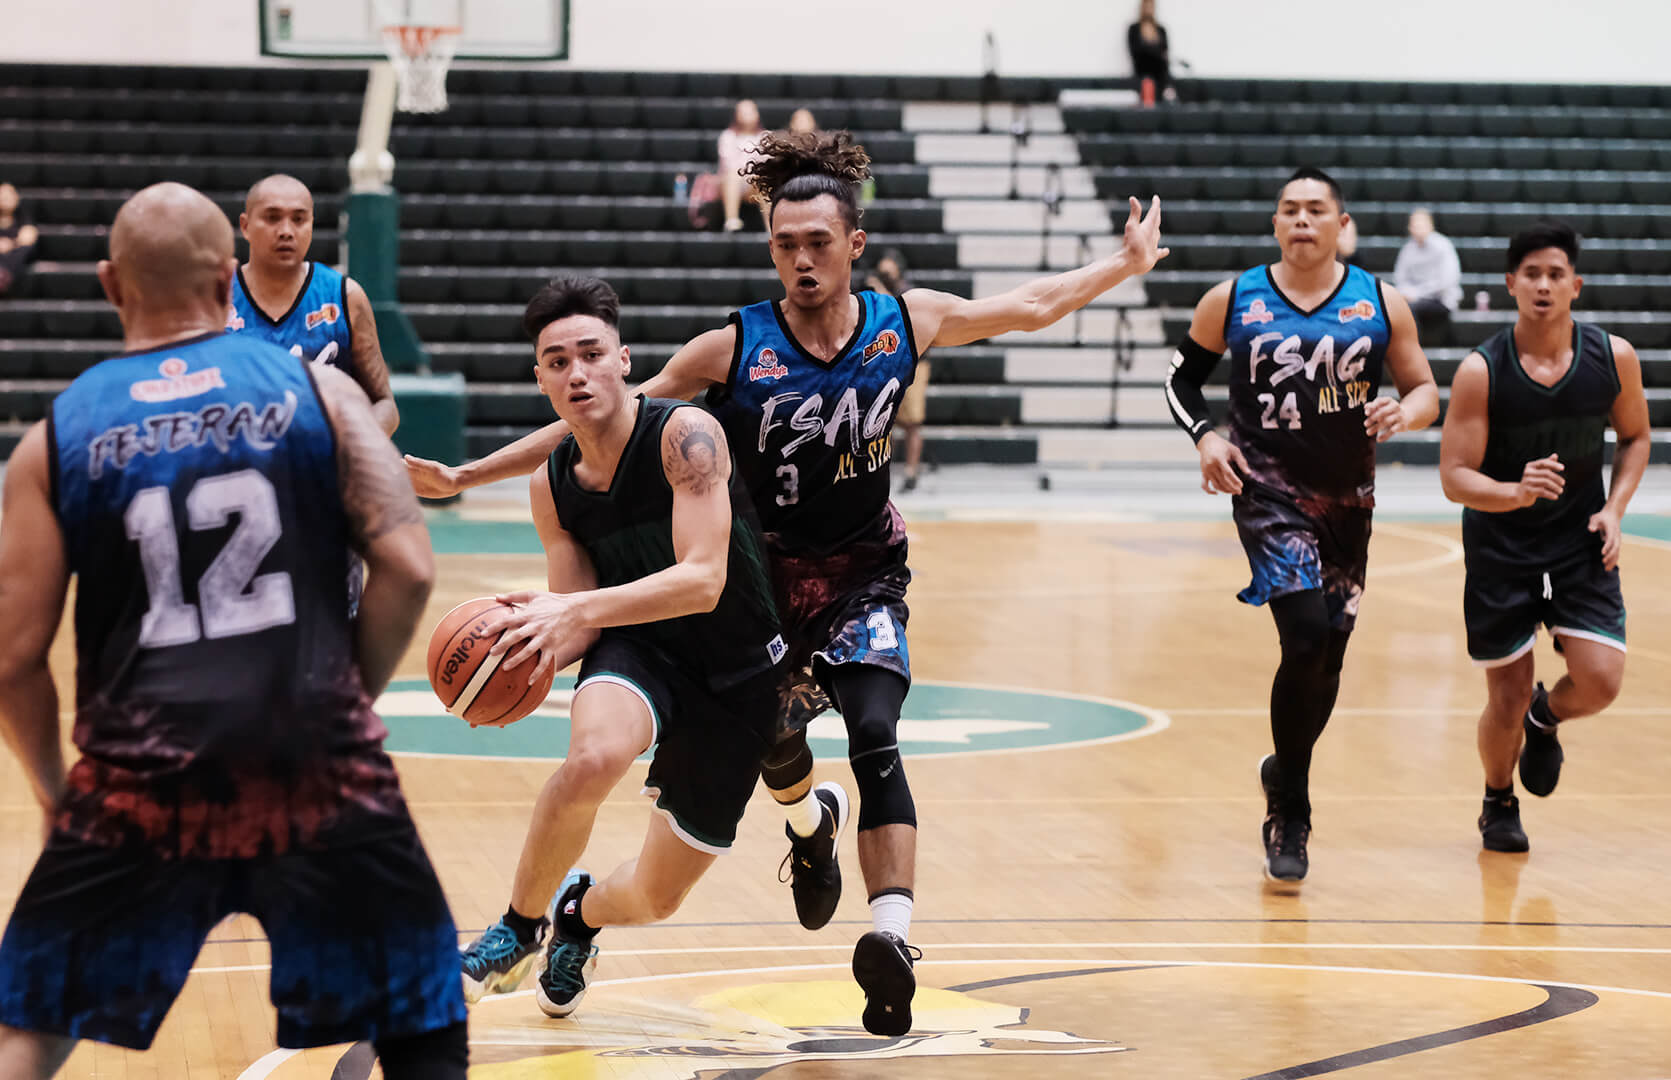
(231, 599)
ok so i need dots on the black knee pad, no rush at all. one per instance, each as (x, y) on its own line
(443, 1054)
(1302, 626)
(870, 700)
(788, 763)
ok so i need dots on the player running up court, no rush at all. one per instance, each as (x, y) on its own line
(806, 388)
(206, 490)
(658, 576)
(1523, 448)
(324, 316)
(1308, 338)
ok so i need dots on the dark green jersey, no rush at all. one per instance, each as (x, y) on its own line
(1531, 421)
(628, 532)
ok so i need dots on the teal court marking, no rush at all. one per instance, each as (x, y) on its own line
(454, 532)
(940, 719)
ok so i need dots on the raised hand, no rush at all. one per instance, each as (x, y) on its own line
(1142, 244)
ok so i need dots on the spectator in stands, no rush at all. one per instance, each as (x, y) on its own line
(18, 236)
(737, 147)
(889, 277)
(1429, 275)
(1151, 63)
(802, 121)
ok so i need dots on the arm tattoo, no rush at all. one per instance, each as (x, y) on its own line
(370, 369)
(696, 459)
(377, 494)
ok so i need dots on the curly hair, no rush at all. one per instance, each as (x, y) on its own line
(798, 167)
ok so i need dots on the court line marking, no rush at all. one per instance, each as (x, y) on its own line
(250, 1074)
(737, 950)
(1371, 710)
(1336, 968)
(1155, 721)
(1129, 920)
(267, 1064)
(1452, 554)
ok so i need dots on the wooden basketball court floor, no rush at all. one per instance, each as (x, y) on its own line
(1089, 901)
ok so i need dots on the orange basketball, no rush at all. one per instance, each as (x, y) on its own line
(467, 680)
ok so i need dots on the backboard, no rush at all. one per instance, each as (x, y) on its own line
(350, 29)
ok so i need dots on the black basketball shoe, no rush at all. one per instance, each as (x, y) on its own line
(1500, 825)
(885, 968)
(1541, 756)
(813, 874)
(1285, 855)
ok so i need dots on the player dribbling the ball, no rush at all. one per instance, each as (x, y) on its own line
(657, 572)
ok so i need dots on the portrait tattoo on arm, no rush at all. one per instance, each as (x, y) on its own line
(696, 456)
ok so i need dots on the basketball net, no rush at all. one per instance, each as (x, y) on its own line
(420, 55)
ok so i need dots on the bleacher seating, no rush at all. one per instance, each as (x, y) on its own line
(532, 171)
(1487, 159)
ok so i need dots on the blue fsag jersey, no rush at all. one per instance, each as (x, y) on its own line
(316, 326)
(812, 439)
(1299, 382)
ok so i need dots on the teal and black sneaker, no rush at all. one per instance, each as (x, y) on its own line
(496, 962)
(568, 962)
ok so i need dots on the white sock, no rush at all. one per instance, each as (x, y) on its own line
(890, 913)
(805, 814)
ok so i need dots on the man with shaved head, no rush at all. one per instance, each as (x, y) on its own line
(319, 314)
(207, 490)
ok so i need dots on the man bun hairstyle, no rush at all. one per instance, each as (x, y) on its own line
(799, 167)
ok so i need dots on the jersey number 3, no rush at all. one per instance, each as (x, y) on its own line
(231, 599)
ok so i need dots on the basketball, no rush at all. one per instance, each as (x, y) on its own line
(467, 680)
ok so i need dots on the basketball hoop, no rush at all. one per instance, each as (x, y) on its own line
(420, 55)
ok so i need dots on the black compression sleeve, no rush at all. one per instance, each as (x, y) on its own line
(1191, 365)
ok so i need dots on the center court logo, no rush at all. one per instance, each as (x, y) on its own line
(744, 1031)
(939, 719)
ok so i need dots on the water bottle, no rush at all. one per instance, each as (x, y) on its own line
(1482, 301)
(681, 188)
